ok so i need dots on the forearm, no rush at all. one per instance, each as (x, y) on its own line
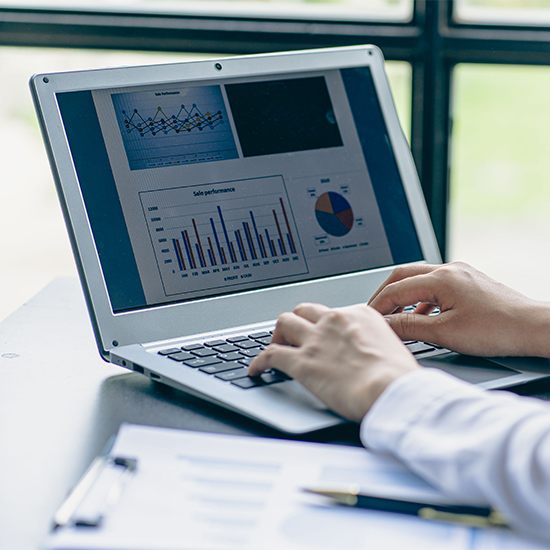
(475, 446)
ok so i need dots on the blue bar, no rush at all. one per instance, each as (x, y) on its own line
(252, 255)
(257, 235)
(191, 263)
(269, 243)
(281, 247)
(211, 257)
(174, 241)
(239, 245)
(233, 259)
(199, 254)
(290, 247)
(217, 241)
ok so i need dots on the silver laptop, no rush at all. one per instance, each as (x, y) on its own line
(205, 198)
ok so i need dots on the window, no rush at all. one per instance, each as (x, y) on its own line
(500, 173)
(503, 12)
(331, 10)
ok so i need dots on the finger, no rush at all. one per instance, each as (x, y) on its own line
(411, 326)
(406, 292)
(273, 357)
(404, 272)
(311, 312)
(290, 329)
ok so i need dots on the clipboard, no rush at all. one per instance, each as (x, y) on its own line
(166, 489)
(67, 513)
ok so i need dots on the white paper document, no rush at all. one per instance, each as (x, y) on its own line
(202, 491)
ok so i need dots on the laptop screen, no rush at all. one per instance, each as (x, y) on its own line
(195, 190)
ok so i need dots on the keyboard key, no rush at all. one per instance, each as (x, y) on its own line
(213, 343)
(269, 378)
(220, 367)
(252, 352)
(233, 356)
(281, 374)
(234, 339)
(247, 344)
(248, 382)
(225, 348)
(190, 347)
(419, 347)
(246, 361)
(202, 362)
(256, 335)
(233, 374)
(264, 341)
(181, 356)
(204, 352)
(168, 351)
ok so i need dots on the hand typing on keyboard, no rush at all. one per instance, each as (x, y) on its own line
(478, 315)
(346, 356)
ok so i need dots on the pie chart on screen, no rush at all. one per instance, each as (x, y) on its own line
(334, 214)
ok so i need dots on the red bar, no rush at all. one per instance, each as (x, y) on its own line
(280, 234)
(212, 250)
(232, 249)
(288, 226)
(194, 266)
(180, 253)
(199, 241)
(223, 254)
(273, 246)
(251, 241)
(263, 245)
(241, 243)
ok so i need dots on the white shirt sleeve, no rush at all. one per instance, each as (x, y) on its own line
(474, 445)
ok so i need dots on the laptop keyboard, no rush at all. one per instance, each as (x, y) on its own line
(228, 359)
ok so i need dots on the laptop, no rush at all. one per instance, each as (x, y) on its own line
(204, 198)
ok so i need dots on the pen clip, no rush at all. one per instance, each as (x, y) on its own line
(65, 514)
(494, 519)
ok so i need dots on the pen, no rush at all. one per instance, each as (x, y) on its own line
(473, 516)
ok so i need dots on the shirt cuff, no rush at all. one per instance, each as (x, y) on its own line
(405, 402)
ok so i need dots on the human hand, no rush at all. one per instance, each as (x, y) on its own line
(345, 356)
(478, 315)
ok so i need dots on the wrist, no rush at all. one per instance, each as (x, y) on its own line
(376, 384)
(537, 330)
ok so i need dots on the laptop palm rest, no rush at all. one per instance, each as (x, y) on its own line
(469, 368)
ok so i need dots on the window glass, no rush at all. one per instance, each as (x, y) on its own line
(360, 10)
(500, 177)
(503, 12)
(33, 241)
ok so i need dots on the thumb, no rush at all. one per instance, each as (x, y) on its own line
(413, 326)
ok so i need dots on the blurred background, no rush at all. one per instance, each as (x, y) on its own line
(496, 175)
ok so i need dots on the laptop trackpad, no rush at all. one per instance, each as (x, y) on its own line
(469, 368)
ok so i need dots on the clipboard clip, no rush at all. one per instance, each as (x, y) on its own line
(65, 515)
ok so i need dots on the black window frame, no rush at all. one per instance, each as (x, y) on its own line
(432, 42)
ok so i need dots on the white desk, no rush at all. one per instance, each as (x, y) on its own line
(60, 403)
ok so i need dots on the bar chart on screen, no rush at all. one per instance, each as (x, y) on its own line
(221, 235)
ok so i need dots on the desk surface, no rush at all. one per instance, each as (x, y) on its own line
(60, 403)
